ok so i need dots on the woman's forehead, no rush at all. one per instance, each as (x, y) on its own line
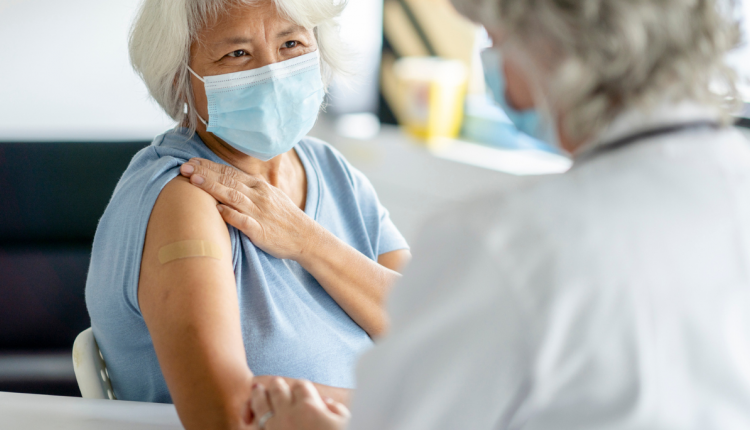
(251, 23)
(253, 35)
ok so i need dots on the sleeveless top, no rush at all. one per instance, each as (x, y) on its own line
(290, 325)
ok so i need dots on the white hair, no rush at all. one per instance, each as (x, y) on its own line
(163, 31)
(593, 59)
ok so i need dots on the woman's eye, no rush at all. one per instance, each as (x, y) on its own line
(291, 44)
(238, 53)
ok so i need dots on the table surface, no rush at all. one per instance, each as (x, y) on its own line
(32, 412)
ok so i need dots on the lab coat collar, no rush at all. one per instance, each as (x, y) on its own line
(636, 120)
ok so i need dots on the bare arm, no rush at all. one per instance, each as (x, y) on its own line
(359, 285)
(191, 309)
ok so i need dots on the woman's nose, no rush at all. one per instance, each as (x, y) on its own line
(268, 56)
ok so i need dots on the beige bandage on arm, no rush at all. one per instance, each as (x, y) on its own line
(187, 249)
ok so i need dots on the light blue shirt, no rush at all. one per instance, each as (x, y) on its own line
(290, 325)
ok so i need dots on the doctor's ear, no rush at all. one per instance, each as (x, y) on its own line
(497, 36)
(519, 92)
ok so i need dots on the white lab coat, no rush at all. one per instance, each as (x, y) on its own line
(615, 296)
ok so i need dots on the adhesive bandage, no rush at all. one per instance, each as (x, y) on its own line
(188, 249)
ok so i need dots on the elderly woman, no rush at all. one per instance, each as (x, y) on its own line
(190, 301)
(614, 296)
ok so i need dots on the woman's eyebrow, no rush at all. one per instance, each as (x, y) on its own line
(235, 40)
(290, 30)
(238, 40)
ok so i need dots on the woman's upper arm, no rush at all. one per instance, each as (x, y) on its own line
(191, 309)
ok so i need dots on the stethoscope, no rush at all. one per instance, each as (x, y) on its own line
(617, 144)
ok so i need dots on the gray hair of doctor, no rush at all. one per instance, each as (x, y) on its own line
(163, 31)
(593, 59)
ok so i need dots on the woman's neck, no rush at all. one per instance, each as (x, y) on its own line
(285, 171)
(271, 170)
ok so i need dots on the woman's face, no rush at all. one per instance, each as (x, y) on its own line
(244, 38)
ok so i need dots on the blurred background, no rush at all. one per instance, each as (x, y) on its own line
(415, 119)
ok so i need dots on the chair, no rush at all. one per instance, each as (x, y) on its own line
(91, 371)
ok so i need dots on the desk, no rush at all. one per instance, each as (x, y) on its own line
(32, 412)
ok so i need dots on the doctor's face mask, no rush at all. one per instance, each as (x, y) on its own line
(528, 121)
(264, 112)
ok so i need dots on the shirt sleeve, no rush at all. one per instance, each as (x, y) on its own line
(390, 238)
(384, 235)
(457, 355)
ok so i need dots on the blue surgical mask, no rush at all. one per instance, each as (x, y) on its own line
(265, 112)
(527, 121)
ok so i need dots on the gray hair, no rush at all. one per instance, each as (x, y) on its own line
(595, 58)
(163, 31)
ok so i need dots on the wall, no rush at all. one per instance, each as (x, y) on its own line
(65, 73)
(740, 59)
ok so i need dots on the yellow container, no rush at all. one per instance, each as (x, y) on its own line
(430, 94)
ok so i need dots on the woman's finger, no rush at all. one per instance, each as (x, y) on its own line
(216, 167)
(259, 401)
(280, 394)
(241, 222)
(203, 177)
(223, 189)
(338, 408)
(229, 196)
(227, 171)
(305, 390)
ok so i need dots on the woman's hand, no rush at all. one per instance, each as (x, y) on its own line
(282, 407)
(263, 212)
(340, 395)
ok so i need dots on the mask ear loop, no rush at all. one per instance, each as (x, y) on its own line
(204, 81)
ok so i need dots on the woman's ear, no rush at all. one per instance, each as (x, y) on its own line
(183, 97)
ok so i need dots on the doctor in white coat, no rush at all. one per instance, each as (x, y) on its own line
(615, 296)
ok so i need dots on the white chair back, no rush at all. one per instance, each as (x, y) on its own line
(91, 371)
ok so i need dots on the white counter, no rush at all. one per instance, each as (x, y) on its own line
(32, 412)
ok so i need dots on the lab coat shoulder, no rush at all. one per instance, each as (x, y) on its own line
(532, 242)
(505, 291)
(451, 246)
(462, 320)
(649, 243)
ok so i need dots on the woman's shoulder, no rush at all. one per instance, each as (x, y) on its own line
(122, 227)
(155, 165)
(332, 165)
(320, 150)
(178, 144)
(152, 168)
